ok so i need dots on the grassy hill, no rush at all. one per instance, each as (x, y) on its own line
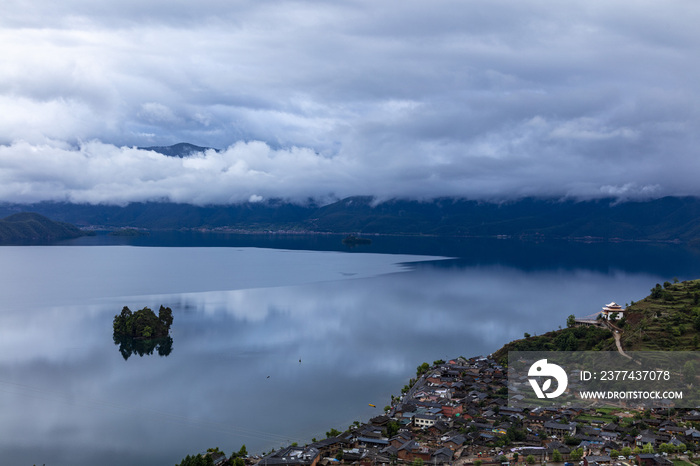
(666, 320)
(30, 227)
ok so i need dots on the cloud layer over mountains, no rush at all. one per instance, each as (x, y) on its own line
(482, 99)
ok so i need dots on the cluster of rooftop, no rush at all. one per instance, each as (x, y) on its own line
(457, 412)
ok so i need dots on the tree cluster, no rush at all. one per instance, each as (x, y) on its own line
(143, 323)
(662, 293)
(206, 459)
(197, 460)
(568, 339)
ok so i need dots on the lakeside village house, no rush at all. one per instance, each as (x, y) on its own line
(458, 412)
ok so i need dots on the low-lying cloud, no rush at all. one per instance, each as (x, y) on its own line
(98, 173)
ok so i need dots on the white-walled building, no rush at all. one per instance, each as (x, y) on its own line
(613, 311)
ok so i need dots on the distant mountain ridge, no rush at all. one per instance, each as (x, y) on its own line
(181, 150)
(665, 219)
(31, 227)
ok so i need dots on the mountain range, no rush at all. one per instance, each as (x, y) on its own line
(664, 219)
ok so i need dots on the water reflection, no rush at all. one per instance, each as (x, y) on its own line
(68, 398)
(129, 345)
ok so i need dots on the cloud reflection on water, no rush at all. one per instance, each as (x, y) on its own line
(66, 387)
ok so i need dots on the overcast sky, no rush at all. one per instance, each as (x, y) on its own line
(482, 99)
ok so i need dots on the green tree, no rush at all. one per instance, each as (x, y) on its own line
(556, 456)
(513, 434)
(392, 428)
(165, 315)
(333, 433)
(571, 321)
(626, 451)
(417, 462)
(696, 323)
(530, 459)
(576, 454)
(648, 448)
(143, 323)
(614, 453)
(197, 460)
(478, 462)
(422, 369)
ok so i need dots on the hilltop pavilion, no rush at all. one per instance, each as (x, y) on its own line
(609, 310)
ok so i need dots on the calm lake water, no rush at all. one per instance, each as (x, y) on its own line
(275, 339)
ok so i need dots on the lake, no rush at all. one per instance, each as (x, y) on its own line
(276, 339)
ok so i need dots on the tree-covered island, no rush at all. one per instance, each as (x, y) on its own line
(143, 324)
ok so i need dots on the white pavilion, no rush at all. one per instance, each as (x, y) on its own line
(610, 310)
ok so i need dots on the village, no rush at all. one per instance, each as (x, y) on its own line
(457, 412)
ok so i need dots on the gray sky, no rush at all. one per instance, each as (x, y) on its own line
(481, 99)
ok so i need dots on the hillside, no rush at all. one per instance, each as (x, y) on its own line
(666, 320)
(567, 339)
(31, 227)
(666, 219)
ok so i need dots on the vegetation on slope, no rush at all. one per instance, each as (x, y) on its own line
(568, 339)
(666, 320)
(31, 227)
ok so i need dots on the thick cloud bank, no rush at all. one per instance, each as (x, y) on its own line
(253, 171)
(483, 99)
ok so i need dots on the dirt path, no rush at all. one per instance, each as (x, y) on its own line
(616, 335)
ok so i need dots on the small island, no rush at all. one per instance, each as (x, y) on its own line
(352, 240)
(142, 332)
(128, 232)
(143, 324)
